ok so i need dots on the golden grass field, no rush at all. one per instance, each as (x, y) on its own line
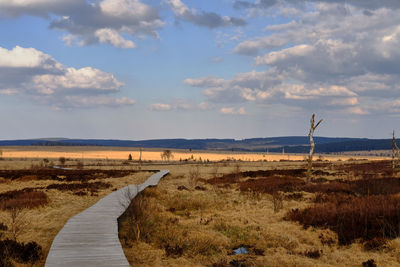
(207, 224)
(155, 154)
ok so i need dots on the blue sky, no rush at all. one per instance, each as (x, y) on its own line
(137, 69)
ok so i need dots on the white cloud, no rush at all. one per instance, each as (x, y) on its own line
(87, 79)
(90, 23)
(205, 82)
(251, 47)
(114, 38)
(29, 58)
(160, 107)
(180, 104)
(8, 91)
(233, 111)
(96, 101)
(31, 73)
(204, 19)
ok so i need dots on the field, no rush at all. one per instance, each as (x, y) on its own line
(205, 210)
(155, 154)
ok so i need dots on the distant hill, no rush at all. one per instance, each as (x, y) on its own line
(291, 144)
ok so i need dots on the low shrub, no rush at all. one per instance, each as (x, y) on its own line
(20, 252)
(19, 199)
(376, 186)
(331, 187)
(369, 263)
(363, 217)
(67, 175)
(376, 243)
(314, 254)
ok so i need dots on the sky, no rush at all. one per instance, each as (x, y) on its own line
(152, 69)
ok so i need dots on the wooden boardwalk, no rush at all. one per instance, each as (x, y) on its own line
(91, 237)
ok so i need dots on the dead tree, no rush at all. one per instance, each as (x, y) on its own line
(312, 144)
(395, 152)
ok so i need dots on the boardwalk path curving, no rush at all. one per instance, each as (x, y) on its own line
(91, 237)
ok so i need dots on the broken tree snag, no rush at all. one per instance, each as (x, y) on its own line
(312, 144)
(395, 152)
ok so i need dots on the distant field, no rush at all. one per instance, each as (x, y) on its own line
(118, 153)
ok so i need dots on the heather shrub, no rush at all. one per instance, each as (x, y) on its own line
(19, 199)
(363, 217)
(20, 252)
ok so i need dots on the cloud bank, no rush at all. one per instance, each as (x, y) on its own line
(32, 74)
(201, 18)
(86, 23)
(331, 56)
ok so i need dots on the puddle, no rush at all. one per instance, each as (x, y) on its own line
(240, 251)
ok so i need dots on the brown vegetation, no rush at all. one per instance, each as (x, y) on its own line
(22, 253)
(362, 217)
(64, 175)
(19, 199)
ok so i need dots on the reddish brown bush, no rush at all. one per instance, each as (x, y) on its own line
(363, 187)
(363, 217)
(362, 169)
(65, 175)
(375, 186)
(20, 252)
(335, 198)
(369, 263)
(375, 244)
(22, 199)
(332, 187)
(314, 254)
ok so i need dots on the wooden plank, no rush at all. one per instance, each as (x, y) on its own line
(91, 237)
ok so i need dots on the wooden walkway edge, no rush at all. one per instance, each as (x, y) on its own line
(91, 237)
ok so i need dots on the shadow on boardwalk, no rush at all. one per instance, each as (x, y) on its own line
(91, 237)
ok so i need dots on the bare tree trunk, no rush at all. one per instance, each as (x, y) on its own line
(312, 144)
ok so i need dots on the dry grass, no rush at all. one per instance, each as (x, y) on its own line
(228, 218)
(48, 203)
(202, 225)
(155, 154)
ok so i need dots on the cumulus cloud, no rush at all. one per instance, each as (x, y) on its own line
(205, 82)
(180, 104)
(114, 38)
(201, 18)
(87, 23)
(266, 4)
(272, 87)
(332, 55)
(233, 111)
(30, 73)
(252, 47)
(160, 107)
